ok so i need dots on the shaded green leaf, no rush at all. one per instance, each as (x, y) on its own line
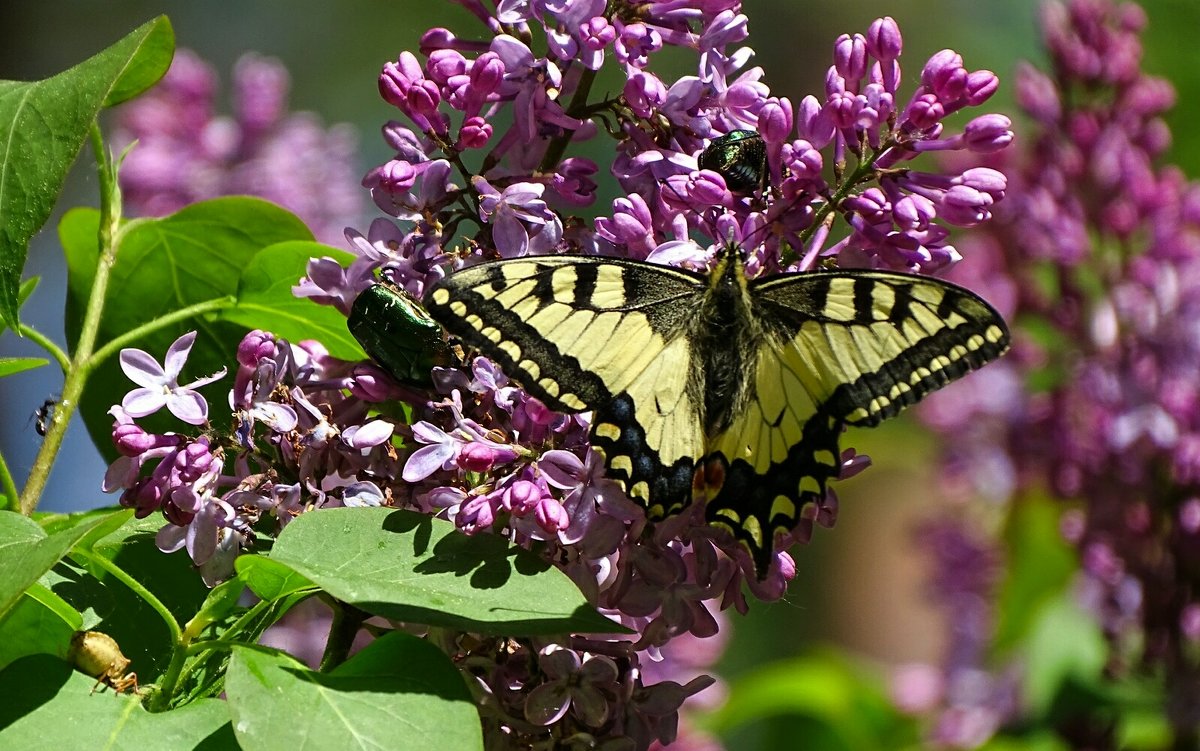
(414, 568)
(399, 693)
(27, 553)
(270, 579)
(163, 265)
(265, 298)
(47, 122)
(56, 708)
(41, 623)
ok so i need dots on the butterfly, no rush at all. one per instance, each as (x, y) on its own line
(717, 388)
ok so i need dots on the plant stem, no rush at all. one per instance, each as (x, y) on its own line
(118, 573)
(346, 621)
(7, 485)
(165, 321)
(77, 372)
(40, 339)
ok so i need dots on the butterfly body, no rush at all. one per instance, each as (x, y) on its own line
(718, 388)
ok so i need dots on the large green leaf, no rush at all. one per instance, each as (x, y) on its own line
(265, 299)
(56, 709)
(46, 123)
(399, 693)
(27, 553)
(193, 256)
(414, 568)
(41, 623)
(108, 605)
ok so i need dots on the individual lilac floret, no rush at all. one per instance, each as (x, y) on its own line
(159, 383)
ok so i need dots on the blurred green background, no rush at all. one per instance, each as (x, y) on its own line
(859, 587)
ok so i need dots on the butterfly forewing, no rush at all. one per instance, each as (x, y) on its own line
(580, 333)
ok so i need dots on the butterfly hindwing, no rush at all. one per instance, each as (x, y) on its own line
(839, 348)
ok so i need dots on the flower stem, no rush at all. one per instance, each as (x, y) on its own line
(165, 321)
(40, 339)
(77, 372)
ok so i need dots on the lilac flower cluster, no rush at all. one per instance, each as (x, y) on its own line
(1100, 247)
(483, 453)
(187, 153)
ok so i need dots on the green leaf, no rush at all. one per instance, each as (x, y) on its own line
(840, 704)
(41, 623)
(55, 708)
(411, 567)
(110, 606)
(1040, 566)
(13, 365)
(27, 553)
(265, 299)
(46, 124)
(399, 693)
(222, 601)
(163, 265)
(1064, 644)
(269, 579)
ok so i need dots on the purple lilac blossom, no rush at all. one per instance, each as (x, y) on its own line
(1097, 243)
(481, 452)
(186, 152)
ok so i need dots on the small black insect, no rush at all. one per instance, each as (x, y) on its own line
(44, 415)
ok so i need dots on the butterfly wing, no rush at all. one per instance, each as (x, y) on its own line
(608, 335)
(837, 348)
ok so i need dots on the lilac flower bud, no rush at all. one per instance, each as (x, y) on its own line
(644, 93)
(945, 75)
(924, 111)
(883, 40)
(522, 496)
(551, 516)
(988, 133)
(813, 124)
(843, 109)
(479, 457)
(850, 58)
(981, 84)
(369, 383)
(598, 33)
(775, 120)
(1037, 94)
(397, 78)
(437, 38)
(255, 346)
(475, 133)
(573, 183)
(132, 440)
(444, 65)
(476, 514)
(194, 461)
